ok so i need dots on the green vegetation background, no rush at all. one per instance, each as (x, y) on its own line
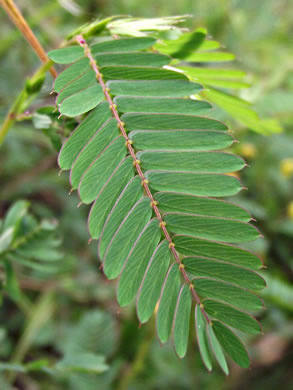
(79, 303)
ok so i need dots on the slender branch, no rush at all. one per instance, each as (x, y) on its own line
(136, 163)
(40, 314)
(19, 21)
(138, 363)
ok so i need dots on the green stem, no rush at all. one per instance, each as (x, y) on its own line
(40, 314)
(139, 359)
(20, 22)
(21, 102)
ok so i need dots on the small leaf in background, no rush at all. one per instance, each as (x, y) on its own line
(6, 239)
(41, 121)
(85, 362)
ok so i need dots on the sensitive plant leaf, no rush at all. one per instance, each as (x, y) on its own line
(167, 303)
(108, 195)
(202, 340)
(143, 121)
(164, 105)
(82, 101)
(190, 161)
(102, 167)
(195, 40)
(174, 201)
(92, 150)
(82, 134)
(229, 315)
(231, 344)
(137, 261)
(218, 56)
(191, 246)
(151, 285)
(194, 183)
(224, 271)
(67, 55)
(170, 88)
(123, 45)
(236, 296)
(217, 350)
(181, 321)
(212, 228)
(116, 254)
(127, 199)
(199, 140)
(151, 165)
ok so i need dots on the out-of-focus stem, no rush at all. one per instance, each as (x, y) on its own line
(20, 103)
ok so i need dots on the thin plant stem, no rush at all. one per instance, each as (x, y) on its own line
(20, 103)
(19, 21)
(40, 314)
(139, 360)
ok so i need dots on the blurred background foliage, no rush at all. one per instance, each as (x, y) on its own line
(66, 308)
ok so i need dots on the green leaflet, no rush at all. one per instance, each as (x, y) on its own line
(98, 172)
(70, 74)
(96, 145)
(217, 56)
(224, 271)
(67, 55)
(82, 134)
(190, 246)
(167, 303)
(122, 45)
(200, 327)
(231, 344)
(199, 140)
(128, 197)
(132, 59)
(82, 102)
(164, 105)
(152, 282)
(195, 40)
(173, 46)
(190, 161)
(86, 80)
(108, 195)
(170, 122)
(241, 110)
(137, 261)
(14, 215)
(194, 183)
(209, 288)
(173, 201)
(171, 88)
(224, 83)
(140, 73)
(215, 73)
(125, 237)
(217, 350)
(212, 228)
(181, 321)
(231, 316)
